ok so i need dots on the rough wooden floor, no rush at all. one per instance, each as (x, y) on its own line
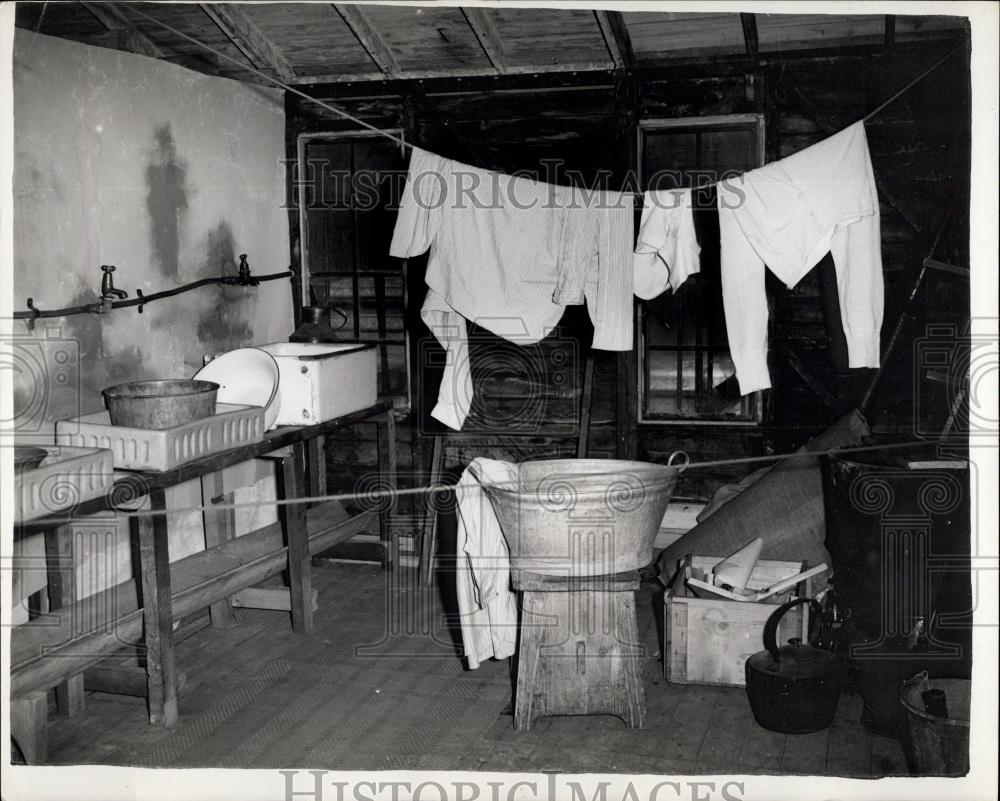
(379, 685)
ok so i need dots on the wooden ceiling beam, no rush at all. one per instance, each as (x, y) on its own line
(484, 79)
(112, 18)
(616, 38)
(248, 39)
(515, 71)
(749, 22)
(370, 39)
(486, 33)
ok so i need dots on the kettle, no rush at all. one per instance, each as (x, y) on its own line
(793, 689)
(316, 326)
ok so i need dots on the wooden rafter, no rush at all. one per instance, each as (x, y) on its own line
(247, 38)
(513, 71)
(616, 38)
(749, 22)
(111, 17)
(370, 39)
(486, 33)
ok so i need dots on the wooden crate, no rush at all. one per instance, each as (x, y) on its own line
(708, 640)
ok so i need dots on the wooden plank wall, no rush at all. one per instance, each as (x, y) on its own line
(920, 151)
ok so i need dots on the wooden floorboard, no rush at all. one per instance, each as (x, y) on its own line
(723, 742)
(379, 685)
(805, 754)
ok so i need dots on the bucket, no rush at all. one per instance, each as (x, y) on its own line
(160, 404)
(882, 666)
(583, 517)
(939, 746)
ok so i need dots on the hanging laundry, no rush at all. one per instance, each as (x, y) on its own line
(509, 254)
(487, 606)
(788, 215)
(667, 250)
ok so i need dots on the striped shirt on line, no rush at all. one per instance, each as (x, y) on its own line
(509, 254)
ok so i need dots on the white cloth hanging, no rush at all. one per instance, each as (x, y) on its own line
(509, 254)
(787, 215)
(666, 250)
(486, 603)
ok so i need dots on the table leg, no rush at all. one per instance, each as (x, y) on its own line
(28, 726)
(157, 612)
(316, 466)
(70, 696)
(220, 527)
(290, 473)
(387, 470)
(428, 534)
(60, 565)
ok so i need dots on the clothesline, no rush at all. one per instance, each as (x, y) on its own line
(402, 142)
(379, 496)
(841, 162)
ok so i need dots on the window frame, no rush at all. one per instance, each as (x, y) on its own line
(302, 141)
(661, 124)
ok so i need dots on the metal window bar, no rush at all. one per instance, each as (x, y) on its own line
(699, 346)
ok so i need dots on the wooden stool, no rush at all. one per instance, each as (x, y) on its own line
(579, 649)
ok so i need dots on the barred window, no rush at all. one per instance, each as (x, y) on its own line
(686, 373)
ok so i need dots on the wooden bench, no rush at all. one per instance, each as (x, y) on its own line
(53, 650)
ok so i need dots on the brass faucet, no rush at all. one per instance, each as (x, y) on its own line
(108, 291)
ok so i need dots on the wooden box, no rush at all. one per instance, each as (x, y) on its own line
(708, 640)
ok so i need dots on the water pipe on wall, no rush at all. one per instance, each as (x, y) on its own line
(113, 298)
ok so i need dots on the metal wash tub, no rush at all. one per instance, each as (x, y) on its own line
(583, 517)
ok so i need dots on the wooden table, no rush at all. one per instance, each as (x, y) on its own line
(51, 659)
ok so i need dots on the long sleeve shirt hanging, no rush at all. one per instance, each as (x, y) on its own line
(788, 215)
(509, 254)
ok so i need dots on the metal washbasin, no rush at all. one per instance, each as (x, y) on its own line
(160, 404)
(583, 517)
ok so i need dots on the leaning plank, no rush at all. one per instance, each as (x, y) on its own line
(43, 655)
(784, 507)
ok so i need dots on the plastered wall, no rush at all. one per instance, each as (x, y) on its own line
(169, 175)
